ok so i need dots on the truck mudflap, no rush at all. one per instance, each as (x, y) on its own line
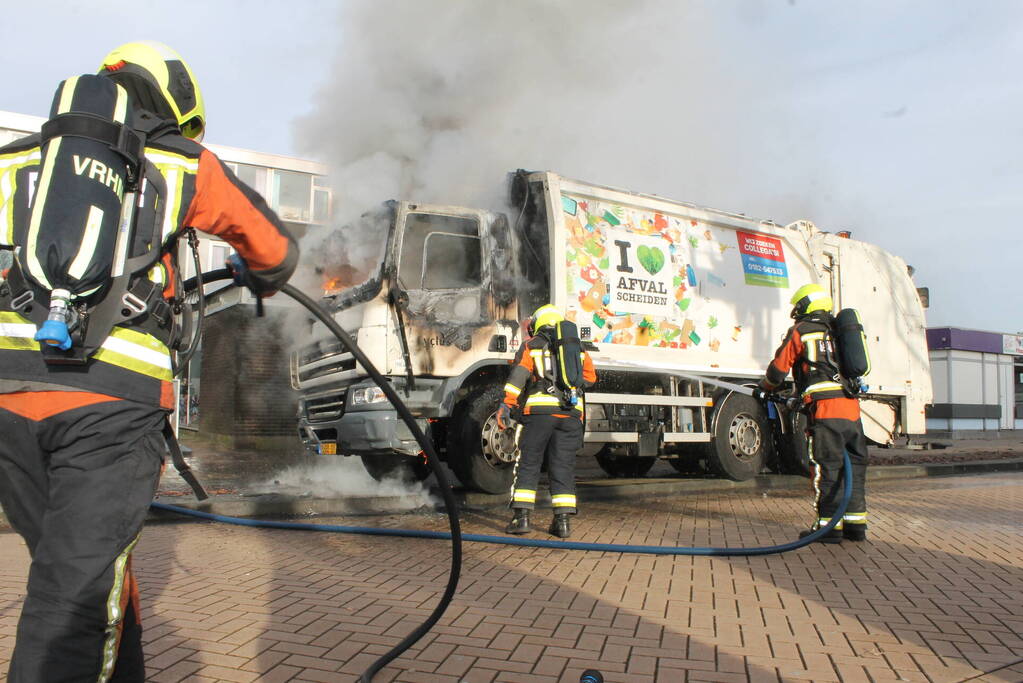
(372, 432)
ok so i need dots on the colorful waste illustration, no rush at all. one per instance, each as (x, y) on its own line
(643, 278)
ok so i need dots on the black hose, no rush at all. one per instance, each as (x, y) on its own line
(426, 444)
(431, 457)
(185, 356)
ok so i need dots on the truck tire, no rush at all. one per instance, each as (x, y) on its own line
(689, 464)
(402, 467)
(795, 454)
(624, 466)
(482, 456)
(742, 438)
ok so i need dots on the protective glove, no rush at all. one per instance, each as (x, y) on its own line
(239, 270)
(503, 416)
(761, 392)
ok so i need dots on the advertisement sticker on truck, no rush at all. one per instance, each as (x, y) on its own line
(640, 279)
(763, 260)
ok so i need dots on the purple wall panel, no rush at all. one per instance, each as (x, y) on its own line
(964, 340)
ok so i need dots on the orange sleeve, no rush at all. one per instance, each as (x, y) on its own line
(520, 374)
(226, 207)
(589, 372)
(784, 358)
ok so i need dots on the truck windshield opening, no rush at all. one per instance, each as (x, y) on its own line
(440, 252)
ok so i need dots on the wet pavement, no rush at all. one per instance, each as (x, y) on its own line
(295, 484)
(292, 472)
(935, 594)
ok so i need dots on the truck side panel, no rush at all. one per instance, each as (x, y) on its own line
(877, 284)
(652, 281)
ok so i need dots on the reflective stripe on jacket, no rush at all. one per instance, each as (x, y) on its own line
(532, 375)
(809, 353)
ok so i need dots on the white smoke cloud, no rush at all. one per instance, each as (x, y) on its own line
(346, 478)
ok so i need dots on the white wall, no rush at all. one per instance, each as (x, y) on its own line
(973, 378)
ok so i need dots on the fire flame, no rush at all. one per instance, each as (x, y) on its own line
(339, 279)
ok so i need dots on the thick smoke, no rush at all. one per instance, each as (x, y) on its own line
(436, 101)
(865, 117)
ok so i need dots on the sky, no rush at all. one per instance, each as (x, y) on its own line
(899, 121)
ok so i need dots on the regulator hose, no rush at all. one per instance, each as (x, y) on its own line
(455, 535)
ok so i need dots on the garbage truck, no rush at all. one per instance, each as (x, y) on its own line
(667, 295)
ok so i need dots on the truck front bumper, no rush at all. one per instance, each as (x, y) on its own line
(371, 432)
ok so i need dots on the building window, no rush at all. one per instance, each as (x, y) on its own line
(292, 195)
(321, 205)
(1019, 389)
(253, 176)
(219, 251)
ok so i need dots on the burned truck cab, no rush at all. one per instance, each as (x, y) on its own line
(437, 314)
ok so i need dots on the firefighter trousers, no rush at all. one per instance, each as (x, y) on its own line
(561, 438)
(828, 439)
(76, 486)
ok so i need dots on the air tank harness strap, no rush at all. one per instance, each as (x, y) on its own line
(118, 137)
(150, 312)
(179, 461)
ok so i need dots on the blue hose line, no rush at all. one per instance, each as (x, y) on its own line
(539, 542)
(456, 535)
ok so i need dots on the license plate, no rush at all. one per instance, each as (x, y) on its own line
(328, 448)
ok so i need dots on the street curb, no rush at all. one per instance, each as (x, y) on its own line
(281, 506)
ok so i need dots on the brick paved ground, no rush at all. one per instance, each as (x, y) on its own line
(936, 595)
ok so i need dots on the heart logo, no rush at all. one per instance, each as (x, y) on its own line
(651, 258)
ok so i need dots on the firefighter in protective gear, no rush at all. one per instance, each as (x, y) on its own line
(82, 447)
(548, 425)
(833, 417)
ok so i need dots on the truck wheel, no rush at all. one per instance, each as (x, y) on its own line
(625, 466)
(481, 455)
(403, 467)
(795, 456)
(689, 464)
(742, 439)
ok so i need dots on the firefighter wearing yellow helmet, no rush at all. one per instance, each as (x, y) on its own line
(82, 446)
(833, 416)
(159, 80)
(551, 421)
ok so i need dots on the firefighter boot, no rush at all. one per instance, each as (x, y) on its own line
(854, 532)
(560, 527)
(519, 523)
(833, 536)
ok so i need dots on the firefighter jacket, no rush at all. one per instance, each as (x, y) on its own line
(202, 193)
(532, 376)
(809, 353)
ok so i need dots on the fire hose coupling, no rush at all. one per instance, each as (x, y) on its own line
(790, 402)
(55, 330)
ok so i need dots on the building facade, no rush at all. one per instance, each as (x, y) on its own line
(978, 381)
(240, 358)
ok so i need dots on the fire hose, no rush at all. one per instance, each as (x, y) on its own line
(455, 534)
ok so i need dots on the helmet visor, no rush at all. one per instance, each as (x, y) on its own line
(193, 128)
